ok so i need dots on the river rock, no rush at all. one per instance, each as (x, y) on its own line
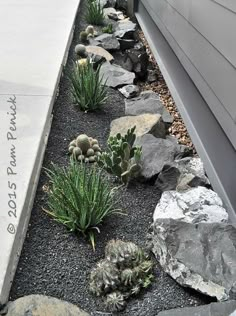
(145, 124)
(99, 51)
(147, 102)
(182, 174)
(213, 309)
(39, 305)
(156, 152)
(130, 91)
(195, 206)
(108, 41)
(200, 256)
(125, 29)
(111, 13)
(115, 76)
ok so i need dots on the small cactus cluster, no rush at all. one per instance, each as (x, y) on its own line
(80, 51)
(122, 158)
(125, 270)
(89, 32)
(84, 148)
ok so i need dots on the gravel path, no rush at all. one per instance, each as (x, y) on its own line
(56, 263)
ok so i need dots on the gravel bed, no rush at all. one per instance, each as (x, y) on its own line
(57, 263)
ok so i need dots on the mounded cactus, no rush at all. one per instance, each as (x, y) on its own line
(125, 270)
(90, 30)
(122, 158)
(82, 149)
(83, 36)
(80, 50)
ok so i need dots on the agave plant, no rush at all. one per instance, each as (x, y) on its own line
(95, 14)
(80, 198)
(87, 86)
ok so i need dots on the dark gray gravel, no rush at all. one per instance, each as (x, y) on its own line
(56, 263)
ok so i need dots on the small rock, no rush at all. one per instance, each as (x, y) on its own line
(130, 91)
(201, 256)
(195, 206)
(108, 42)
(145, 124)
(152, 76)
(156, 152)
(115, 76)
(99, 51)
(125, 29)
(213, 309)
(113, 14)
(148, 102)
(140, 59)
(43, 306)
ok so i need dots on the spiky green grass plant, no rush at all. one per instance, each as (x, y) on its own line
(80, 198)
(95, 13)
(87, 87)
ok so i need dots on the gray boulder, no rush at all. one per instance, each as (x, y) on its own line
(213, 309)
(41, 306)
(130, 91)
(121, 4)
(152, 76)
(111, 13)
(182, 175)
(99, 51)
(125, 29)
(115, 76)
(107, 3)
(195, 206)
(108, 42)
(126, 43)
(145, 124)
(140, 59)
(200, 256)
(147, 102)
(156, 152)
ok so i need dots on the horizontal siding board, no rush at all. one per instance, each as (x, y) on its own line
(216, 71)
(213, 21)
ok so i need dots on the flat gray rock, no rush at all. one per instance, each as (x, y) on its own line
(200, 256)
(108, 41)
(147, 102)
(140, 59)
(43, 306)
(99, 51)
(156, 152)
(125, 29)
(130, 91)
(115, 76)
(182, 175)
(194, 206)
(113, 14)
(145, 124)
(213, 309)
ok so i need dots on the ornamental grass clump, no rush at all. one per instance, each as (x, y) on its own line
(125, 271)
(80, 198)
(87, 86)
(95, 14)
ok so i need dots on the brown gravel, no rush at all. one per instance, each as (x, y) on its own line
(178, 128)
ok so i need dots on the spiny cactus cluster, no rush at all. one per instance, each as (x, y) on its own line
(84, 148)
(89, 32)
(122, 158)
(125, 270)
(80, 51)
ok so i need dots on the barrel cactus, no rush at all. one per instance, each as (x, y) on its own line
(122, 158)
(125, 270)
(90, 30)
(84, 149)
(80, 50)
(83, 36)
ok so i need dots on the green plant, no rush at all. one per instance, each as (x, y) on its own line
(95, 14)
(122, 158)
(80, 198)
(108, 29)
(87, 86)
(125, 270)
(83, 36)
(90, 30)
(84, 148)
(80, 50)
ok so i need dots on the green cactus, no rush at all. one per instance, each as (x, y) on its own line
(80, 50)
(122, 158)
(83, 36)
(90, 30)
(124, 272)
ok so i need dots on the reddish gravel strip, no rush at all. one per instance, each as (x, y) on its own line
(178, 128)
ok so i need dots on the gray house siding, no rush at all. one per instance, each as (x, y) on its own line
(206, 50)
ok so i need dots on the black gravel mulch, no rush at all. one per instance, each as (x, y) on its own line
(56, 263)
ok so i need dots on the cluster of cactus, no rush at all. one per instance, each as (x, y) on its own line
(125, 270)
(122, 158)
(84, 148)
(80, 51)
(89, 32)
